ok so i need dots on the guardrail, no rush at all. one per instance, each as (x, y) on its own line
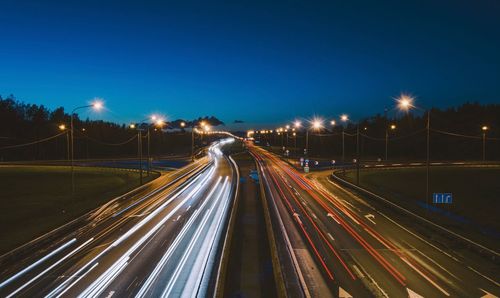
(226, 247)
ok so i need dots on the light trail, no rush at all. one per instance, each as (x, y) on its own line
(173, 247)
(49, 268)
(20, 273)
(180, 266)
(107, 276)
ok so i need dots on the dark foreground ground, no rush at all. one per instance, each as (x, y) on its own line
(37, 199)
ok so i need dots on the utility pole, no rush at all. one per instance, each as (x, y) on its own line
(149, 155)
(357, 155)
(139, 151)
(428, 157)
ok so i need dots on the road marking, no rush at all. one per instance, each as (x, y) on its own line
(370, 217)
(432, 260)
(314, 215)
(360, 274)
(488, 294)
(133, 281)
(498, 285)
(343, 293)
(425, 277)
(111, 293)
(189, 207)
(412, 294)
(330, 235)
(376, 284)
(331, 215)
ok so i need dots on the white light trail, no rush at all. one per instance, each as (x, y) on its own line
(196, 237)
(109, 275)
(154, 274)
(37, 263)
(49, 268)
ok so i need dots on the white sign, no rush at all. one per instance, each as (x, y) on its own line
(333, 161)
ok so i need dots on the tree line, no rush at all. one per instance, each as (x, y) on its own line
(24, 123)
(456, 133)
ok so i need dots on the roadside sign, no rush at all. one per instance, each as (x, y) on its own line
(301, 159)
(442, 198)
(307, 160)
(316, 163)
(333, 161)
(306, 169)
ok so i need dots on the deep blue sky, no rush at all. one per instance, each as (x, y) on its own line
(260, 62)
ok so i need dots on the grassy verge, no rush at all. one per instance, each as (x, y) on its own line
(475, 191)
(37, 199)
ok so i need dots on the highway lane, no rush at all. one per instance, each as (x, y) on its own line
(176, 227)
(361, 250)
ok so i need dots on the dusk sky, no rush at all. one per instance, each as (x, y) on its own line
(259, 62)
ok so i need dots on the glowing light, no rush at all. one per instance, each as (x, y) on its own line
(287, 127)
(405, 102)
(132, 125)
(317, 123)
(332, 122)
(297, 124)
(484, 128)
(183, 124)
(160, 122)
(97, 104)
(62, 127)
(344, 117)
(393, 126)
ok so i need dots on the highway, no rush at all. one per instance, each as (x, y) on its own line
(359, 248)
(161, 242)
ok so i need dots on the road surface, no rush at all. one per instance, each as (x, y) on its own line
(161, 242)
(361, 251)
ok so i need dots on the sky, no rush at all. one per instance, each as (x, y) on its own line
(262, 62)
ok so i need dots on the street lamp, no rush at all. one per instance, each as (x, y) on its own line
(97, 105)
(316, 124)
(344, 118)
(484, 129)
(392, 127)
(405, 103)
(62, 127)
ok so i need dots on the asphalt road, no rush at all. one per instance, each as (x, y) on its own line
(362, 248)
(160, 242)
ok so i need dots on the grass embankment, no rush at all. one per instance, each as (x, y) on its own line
(476, 190)
(37, 199)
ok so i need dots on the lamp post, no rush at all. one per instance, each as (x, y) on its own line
(204, 126)
(297, 124)
(392, 127)
(62, 127)
(344, 118)
(316, 124)
(405, 103)
(97, 105)
(484, 129)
